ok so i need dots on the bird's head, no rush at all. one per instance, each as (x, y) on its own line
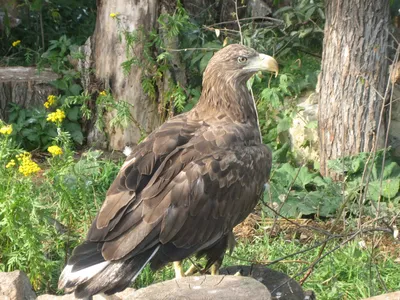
(239, 63)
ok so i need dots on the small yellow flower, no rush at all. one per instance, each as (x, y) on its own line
(113, 15)
(27, 166)
(16, 43)
(103, 93)
(6, 130)
(10, 164)
(51, 99)
(56, 117)
(55, 150)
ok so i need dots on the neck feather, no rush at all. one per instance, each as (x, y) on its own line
(230, 95)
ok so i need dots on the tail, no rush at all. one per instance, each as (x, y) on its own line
(87, 273)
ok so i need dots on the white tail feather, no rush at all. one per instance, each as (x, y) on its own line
(80, 276)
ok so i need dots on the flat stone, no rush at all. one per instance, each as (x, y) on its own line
(280, 285)
(118, 296)
(15, 286)
(390, 296)
(221, 287)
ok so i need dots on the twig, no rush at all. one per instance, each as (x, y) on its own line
(41, 28)
(238, 22)
(250, 19)
(190, 49)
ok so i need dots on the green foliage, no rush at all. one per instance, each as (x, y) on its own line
(41, 214)
(41, 22)
(32, 130)
(299, 191)
(303, 26)
(347, 273)
(379, 182)
(296, 192)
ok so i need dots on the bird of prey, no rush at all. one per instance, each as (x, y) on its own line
(184, 188)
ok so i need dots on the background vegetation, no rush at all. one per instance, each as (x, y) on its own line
(52, 194)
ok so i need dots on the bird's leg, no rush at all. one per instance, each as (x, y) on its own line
(178, 269)
(192, 270)
(215, 268)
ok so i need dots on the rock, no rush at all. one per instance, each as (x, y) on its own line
(394, 138)
(15, 286)
(303, 133)
(118, 296)
(25, 87)
(258, 8)
(390, 296)
(280, 285)
(221, 287)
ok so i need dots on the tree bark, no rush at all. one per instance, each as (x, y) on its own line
(24, 86)
(353, 78)
(109, 52)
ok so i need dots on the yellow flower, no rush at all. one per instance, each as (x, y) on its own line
(51, 99)
(6, 130)
(55, 150)
(113, 15)
(57, 116)
(27, 166)
(10, 164)
(103, 93)
(16, 43)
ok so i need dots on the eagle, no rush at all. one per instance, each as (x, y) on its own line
(184, 188)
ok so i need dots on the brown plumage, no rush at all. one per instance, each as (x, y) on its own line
(184, 188)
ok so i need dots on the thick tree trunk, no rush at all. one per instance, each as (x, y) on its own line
(109, 52)
(353, 78)
(25, 87)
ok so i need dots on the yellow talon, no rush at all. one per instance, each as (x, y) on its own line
(178, 270)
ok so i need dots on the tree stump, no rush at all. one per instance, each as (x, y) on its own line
(204, 287)
(25, 87)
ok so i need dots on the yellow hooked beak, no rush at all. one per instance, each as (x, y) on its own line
(263, 62)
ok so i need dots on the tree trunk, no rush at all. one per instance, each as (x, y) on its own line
(353, 78)
(109, 52)
(25, 87)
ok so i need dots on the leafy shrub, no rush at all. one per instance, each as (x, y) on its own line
(298, 191)
(42, 212)
(41, 22)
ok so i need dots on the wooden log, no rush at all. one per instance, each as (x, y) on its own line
(25, 87)
(221, 287)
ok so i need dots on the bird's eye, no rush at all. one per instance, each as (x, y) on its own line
(241, 59)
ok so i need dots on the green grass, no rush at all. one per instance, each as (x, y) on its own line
(347, 273)
(71, 190)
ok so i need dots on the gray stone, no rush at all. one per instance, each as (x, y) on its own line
(280, 285)
(390, 296)
(258, 8)
(118, 296)
(15, 286)
(221, 287)
(304, 138)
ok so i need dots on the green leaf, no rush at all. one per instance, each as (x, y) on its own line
(304, 177)
(309, 13)
(204, 61)
(73, 113)
(60, 84)
(75, 89)
(312, 124)
(390, 188)
(284, 125)
(75, 130)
